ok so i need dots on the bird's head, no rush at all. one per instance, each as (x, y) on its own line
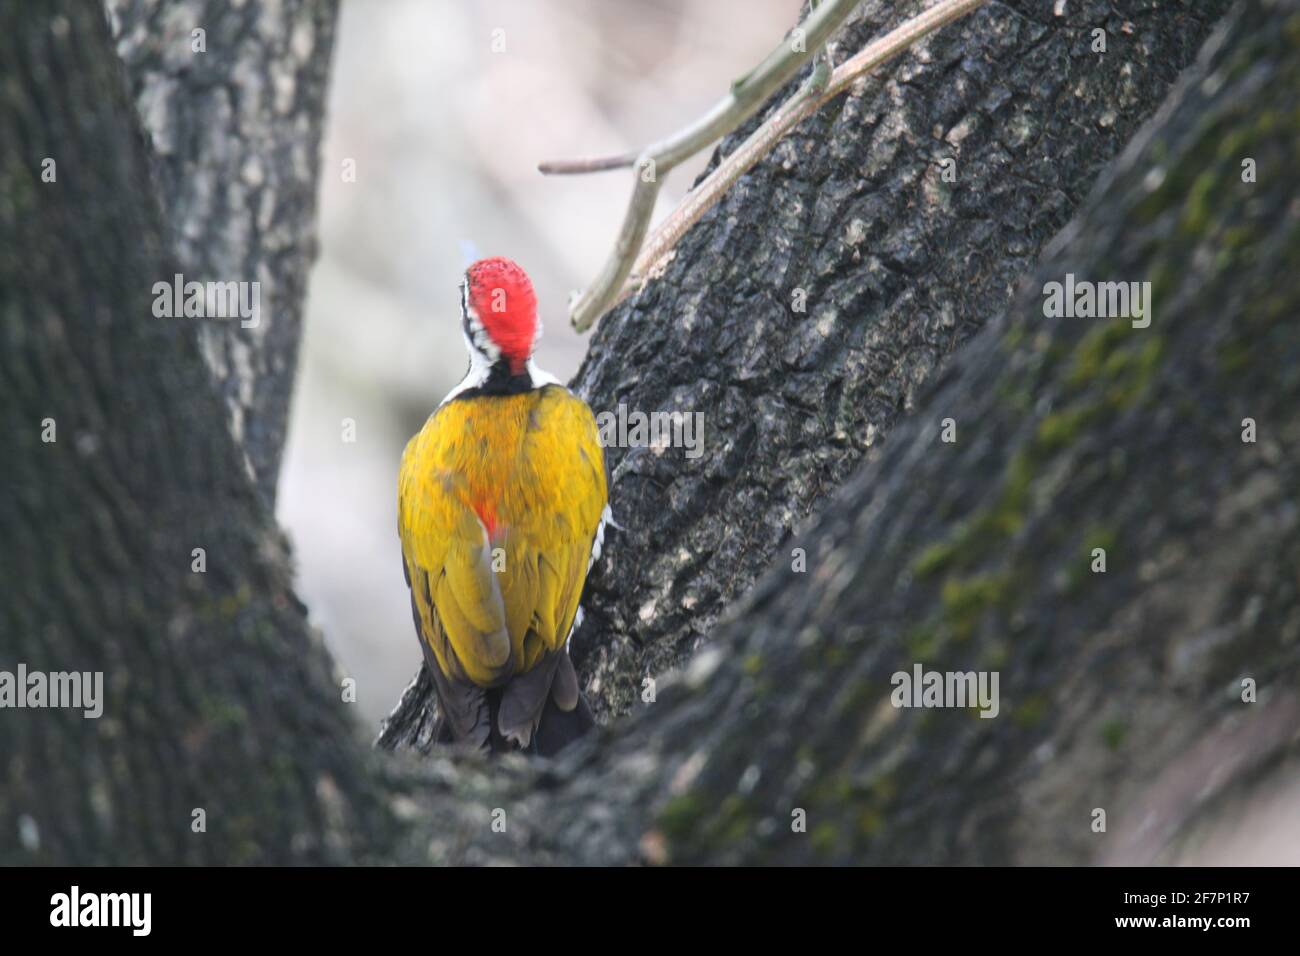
(499, 310)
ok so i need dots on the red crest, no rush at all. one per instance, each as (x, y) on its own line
(502, 296)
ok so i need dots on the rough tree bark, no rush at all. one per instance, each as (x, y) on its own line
(218, 696)
(236, 132)
(1119, 690)
(897, 267)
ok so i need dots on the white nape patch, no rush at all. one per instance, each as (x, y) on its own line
(539, 376)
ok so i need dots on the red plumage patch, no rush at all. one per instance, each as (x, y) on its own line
(487, 514)
(502, 295)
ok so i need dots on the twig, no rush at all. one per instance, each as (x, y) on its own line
(891, 44)
(747, 96)
(818, 90)
(700, 199)
(595, 164)
(811, 97)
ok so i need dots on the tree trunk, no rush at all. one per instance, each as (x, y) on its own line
(802, 316)
(217, 696)
(1120, 691)
(236, 132)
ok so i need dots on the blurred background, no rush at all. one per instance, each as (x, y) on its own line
(438, 115)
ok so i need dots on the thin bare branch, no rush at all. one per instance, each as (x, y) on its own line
(594, 164)
(815, 93)
(896, 41)
(634, 259)
(747, 96)
(699, 200)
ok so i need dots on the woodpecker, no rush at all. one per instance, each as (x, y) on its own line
(502, 507)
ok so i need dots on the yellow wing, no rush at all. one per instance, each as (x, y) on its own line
(499, 502)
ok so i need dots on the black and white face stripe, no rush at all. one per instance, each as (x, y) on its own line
(476, 334)
(489, 373)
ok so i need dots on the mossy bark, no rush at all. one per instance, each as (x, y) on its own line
(218, 696)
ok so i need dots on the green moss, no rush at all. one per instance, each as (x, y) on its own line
(1110, 369)
(1113, 733)
(1030, 711)
(1197, 211)
(977, 537)
(1060, 429)
(923, 643)
(1165, 278)
(834, 790)
(231, 604)
(824, 838)
(925, 722)
(1009, 513)
(1233, 146)
(691, 818)
(1014, 397)
(1098, 536)
(883, 788)
(997, 655)
(681, 816)
(220, 714)
(1080, 571)
(752, 664)
(966, 600)
(735, 821)
(935, 558)
(1093, 351)
(1237, 238)
(870, 822)
(1132, 381)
